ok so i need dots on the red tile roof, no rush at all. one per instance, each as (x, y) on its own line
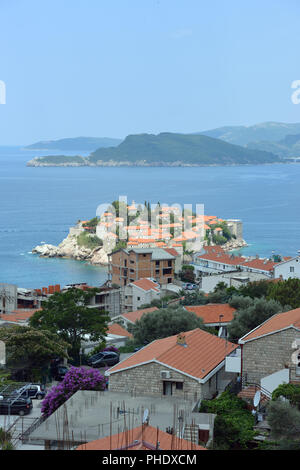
(146, 284)
(118, 330)
(215, 253)
(137, 314)
(143, 437)
(19, 315)
(210, 313)
(203, 353)
(276, 323)
(172, 251)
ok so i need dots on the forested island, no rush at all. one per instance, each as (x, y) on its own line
(165, 149)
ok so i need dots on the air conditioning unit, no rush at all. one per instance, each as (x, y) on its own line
(165, 374)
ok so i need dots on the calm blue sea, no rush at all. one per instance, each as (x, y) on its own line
(40, 204)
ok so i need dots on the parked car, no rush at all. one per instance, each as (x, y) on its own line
(31, 391)
(189, 286)
(103, 359)
(59, 372)
(15, 406)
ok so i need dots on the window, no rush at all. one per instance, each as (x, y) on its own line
(139, 298)
(292, 269)
(179, 385)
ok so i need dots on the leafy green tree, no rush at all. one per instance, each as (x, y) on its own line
(284, 420)
(89, 241)
(187, 273)
(164, 322)
(68, 314)
(193, 298)
(30, 350)
(255, 289)
(249, 314)
(286, 292)
(289, 391)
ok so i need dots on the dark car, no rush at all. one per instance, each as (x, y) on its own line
(103, 359)
(59, 372)
(31, 391)
(15, 406)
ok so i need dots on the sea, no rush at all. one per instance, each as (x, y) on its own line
(39, 205)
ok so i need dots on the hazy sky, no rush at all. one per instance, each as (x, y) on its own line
(118, 67)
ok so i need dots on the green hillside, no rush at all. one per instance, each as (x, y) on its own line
(88, 144)
(243, 135)
(170, 148)
(287, 147)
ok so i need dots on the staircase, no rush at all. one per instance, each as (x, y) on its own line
(249, 390)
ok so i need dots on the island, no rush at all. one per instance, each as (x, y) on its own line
(144, 226)
(164, 149)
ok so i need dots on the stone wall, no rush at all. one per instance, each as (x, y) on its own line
(269, 354)
(146, 380)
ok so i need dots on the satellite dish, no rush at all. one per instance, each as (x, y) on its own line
(146, 416)
(256, 398)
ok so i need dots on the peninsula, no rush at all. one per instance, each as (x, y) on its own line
(165, 149)
(162, 227)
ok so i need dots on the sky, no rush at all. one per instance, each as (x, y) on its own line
(110, 68)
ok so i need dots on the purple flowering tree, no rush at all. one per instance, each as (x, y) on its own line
(111, 348)
(77, 378)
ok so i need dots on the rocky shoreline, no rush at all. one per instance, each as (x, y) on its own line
(98, 256)
(69, 248)
(43, 162)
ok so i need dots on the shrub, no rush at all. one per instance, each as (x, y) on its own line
(77, 378)
(233, 427)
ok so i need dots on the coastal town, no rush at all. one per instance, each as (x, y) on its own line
(149, 239)
(183, 323)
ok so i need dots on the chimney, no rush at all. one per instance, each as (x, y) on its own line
(181, 340)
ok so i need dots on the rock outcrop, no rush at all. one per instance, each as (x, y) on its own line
(69, 248)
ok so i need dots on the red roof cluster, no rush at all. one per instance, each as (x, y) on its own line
(216, 253)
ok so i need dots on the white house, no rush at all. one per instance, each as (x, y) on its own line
(288, 269)
(139, 293)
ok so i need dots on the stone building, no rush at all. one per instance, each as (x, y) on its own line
(269, 352)
(187, 366)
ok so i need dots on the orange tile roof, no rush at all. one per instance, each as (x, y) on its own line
(210, 313)
(146, 284)
(203, 353)
(137, 314)
(262, 264)
(220, 256)
(276, 323)
(144, 437)
(116, 329)
(171, 251)
(19, 315)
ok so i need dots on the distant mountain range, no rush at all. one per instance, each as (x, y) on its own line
(170, 148)
(245, 135)
(83, 144)
(285, 148)
(165, 149)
